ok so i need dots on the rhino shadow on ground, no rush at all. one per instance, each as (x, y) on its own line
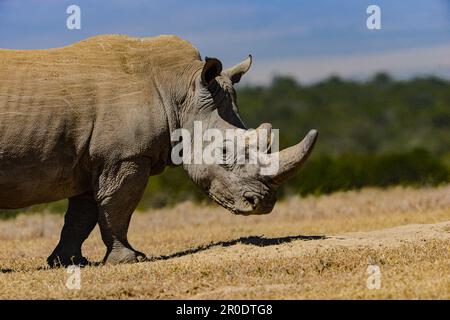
(259, 241)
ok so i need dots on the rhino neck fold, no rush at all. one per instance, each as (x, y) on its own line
(171, 114)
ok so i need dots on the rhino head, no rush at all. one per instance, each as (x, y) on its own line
(241, 188)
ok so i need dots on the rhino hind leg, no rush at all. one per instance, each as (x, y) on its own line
(120, 189)
(79, 221)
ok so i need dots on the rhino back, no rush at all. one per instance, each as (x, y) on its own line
(62, 108)
(46, 118)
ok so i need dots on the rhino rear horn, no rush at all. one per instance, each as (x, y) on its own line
(264, 132)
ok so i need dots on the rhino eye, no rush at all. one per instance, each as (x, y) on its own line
(227, 158)
(224, 153)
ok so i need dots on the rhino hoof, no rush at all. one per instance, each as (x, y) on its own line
(58, 261)
(125, 255)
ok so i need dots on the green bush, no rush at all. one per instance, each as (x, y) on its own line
(325, 174)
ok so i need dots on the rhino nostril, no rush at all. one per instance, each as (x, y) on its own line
(252, 200)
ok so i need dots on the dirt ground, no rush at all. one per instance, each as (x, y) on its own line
(372, 243)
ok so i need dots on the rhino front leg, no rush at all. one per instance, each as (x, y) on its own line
(79, 221)
(120, 188)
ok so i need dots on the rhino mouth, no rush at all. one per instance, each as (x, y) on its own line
(246, 205)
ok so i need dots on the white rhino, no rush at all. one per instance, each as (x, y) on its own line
(92, 121)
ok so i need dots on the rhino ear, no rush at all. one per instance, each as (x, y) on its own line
(211, 69)
(235, 73)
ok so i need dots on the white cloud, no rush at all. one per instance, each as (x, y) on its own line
(399, 63)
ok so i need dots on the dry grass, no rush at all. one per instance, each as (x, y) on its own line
(205, 252)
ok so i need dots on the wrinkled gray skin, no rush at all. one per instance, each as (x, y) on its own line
(100, 158)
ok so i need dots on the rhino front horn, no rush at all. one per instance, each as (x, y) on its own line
(292, 158)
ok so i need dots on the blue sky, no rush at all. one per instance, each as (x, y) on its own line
(307, 39)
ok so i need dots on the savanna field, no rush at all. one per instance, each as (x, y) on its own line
(313, 247)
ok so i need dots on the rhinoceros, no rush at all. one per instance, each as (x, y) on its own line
(92, 121)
